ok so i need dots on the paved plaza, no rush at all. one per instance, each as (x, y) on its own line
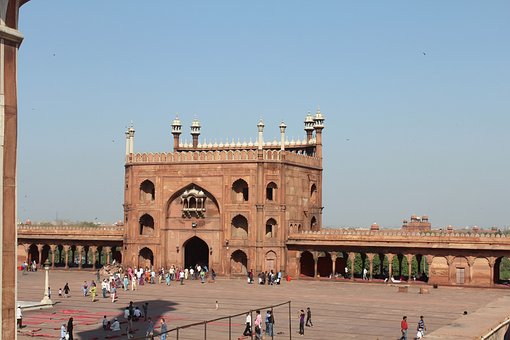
(341, 310)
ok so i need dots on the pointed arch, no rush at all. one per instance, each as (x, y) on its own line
(271, 191)
(238, 263)
(146, 223)
(271, 228)
(205, 203)
(147, 191)
(239, 227)
(313, 193)
(240, 191)
(145, 258)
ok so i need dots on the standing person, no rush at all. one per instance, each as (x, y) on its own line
(150, 329)
(258, 323)
(301, 322)
(164, 329)
(98, 276)
(66, 290)
(105, 322)
(247, 330)
(365, 271)
(19, 317)
(403, 328)
(104, 286)
(133, 282)
(309, 317)
(145, 307)
(93, 291)
(217, 305)
(270, 324)
(113, 293)
(268, 314)
(181, 276)
(85, 288)
(421, 328)
(63, 331)
(70, 328)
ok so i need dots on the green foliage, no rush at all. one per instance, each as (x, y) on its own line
(504, 269)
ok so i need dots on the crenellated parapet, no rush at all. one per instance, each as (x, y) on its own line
(246, 155)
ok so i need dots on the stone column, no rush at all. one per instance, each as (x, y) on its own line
(53, 248)
(93, 249)
(471, 262)
(315, 260)
(409, 258)
(66, 252)
(27, 251)
(39, 249)
(351, 258)
(390, 266)
(80, 255)
(370, 257)
(108, 251)
(333, 264)
(492, 261)
(449, 260)
(298, 260)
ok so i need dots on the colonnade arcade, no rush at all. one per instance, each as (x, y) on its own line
(456, 270)
(68, 255)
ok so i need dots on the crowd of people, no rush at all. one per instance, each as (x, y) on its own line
(269, 278)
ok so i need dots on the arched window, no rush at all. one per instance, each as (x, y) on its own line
(147, 191)
(239, 227)
(240, 191)
(271, 228)
(313, 194)
(314, 226)
(271, 191)
(146, 225)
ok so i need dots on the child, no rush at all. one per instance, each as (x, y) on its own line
(60, 292)
(105, 323)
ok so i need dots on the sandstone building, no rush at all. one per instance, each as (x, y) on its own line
(229, 206)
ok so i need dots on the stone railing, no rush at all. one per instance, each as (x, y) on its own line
(499, 332)
(36, 228)
(433, 233)
(222, 156)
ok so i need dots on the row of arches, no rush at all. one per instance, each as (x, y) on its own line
(457, 270)
(240, 230)
(240, 191)
(72, 255)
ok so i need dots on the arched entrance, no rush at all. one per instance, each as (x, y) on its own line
(307, 264)
(196, 251)
(145, 258)
(238, 263)
(271, 261)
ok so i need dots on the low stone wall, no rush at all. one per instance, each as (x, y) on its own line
(501, 332)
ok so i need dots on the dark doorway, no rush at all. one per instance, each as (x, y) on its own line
(307, 264)
(196, 251)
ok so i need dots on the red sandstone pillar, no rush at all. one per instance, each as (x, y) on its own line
(449, 261)
(370, 264)
(66, 252)
(492, 261)
(93, 249)
(108, 251)
(80, 256)
(333, 265)
(53, 248)
(352, 257)
(39, 250)
(409, 267)
(390, 266)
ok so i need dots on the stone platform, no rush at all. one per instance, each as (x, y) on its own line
(341, 310)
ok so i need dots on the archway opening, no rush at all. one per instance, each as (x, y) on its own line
(146, 223)
(240, 191)
(196, 252)
(307, 264)
(147, 191)
(314, 226)
(271, 228)
(270, 263)
(502, 270)
(324, 265)
(239, 263)
(145, 258)
(33, 254)
(239, 227)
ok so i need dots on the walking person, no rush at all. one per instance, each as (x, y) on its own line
(309, 322)
(403, 328)
(93, 291)
(421, 328)
(145, 307)
(150, 329)
(301, 322)
(258, 324)
(66, 290)
(164, 329)
(19, 317)
(70, 328)
(247, 330)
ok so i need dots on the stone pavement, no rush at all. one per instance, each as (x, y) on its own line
(341, 310)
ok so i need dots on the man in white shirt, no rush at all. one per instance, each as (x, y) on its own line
(19, 317)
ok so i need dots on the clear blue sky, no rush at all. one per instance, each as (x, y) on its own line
(416, 97)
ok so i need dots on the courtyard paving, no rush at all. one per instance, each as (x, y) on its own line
(341, 310)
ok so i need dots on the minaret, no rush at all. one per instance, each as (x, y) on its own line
(260, 127)
(195, 132)
(131, 132)
(282, 135)
(318, 126)
(309, 125)
(127, 142)
(176, 131)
